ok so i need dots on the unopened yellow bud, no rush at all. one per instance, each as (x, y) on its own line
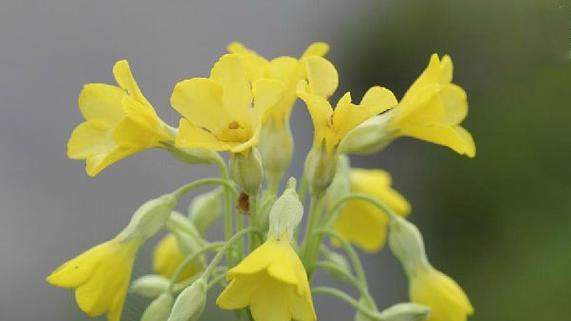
(247, 170)
(150, 217)
(406, 312)
(190, 302)
(159, 309)
(320, 167)
(369, 137)
(150, 286)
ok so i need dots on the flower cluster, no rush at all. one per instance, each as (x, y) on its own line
(263, 265)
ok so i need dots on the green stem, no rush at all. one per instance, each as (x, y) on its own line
(335, 209)
(178, 193)
(308, 250)
(218, 257)
(187, 260)
(353, 256)
(216, 280)
(254, 241)
(363, 290)
(228, 212)
(344, 297)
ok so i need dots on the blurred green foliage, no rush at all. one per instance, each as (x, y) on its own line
(500, 223)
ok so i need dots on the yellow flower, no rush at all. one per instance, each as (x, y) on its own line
(225, 111)
(273, 282)
(332, 125)
(287, 69)
(446, 299)
(433, 107)
(362, 223)
(167, 256)
(119, 122)
(100, 277)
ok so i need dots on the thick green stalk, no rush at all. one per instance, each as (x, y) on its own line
(308, 249)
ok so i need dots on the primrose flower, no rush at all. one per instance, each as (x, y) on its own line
(332, 125)
(225, 111)
(273, 282)
(119, 122)
(100, 277)
(361, 222)
(287, 69)
(167, 256)
(433, 108)
(446, 299)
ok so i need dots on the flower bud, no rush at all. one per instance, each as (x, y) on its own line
(407, 245)
(205, 209)
(276, 148)
(320, 168)
(159, 309)
(406, 312)
(190, 302)
(150, 286)
(286, 213)
(369, 137)
(150, 217)
(247, 170)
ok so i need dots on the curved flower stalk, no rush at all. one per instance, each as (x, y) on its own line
(119, 122)
(167, 256)
(243, 108)
(361, 222)
(431, 110)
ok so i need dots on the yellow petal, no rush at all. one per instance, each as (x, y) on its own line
(286, 69)
(101, 277)
(200, 101)
(102, 103)
(191, 136)
(125, 79)
(267, 93)
(267, 302)
(454, 137)
(379, 97)
(446, 70)
(362, 223)
(255, 64)
(455, 104)
(321, 114)
(146, 117)
(167, 256)
(316, 49)
(348, 115)
(98, 162)
(231, 75)
(237, 294)
(430, 75)
(321, 75)
(89, 138)
(444, 296)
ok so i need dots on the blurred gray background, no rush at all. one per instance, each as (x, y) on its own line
(499, 224)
